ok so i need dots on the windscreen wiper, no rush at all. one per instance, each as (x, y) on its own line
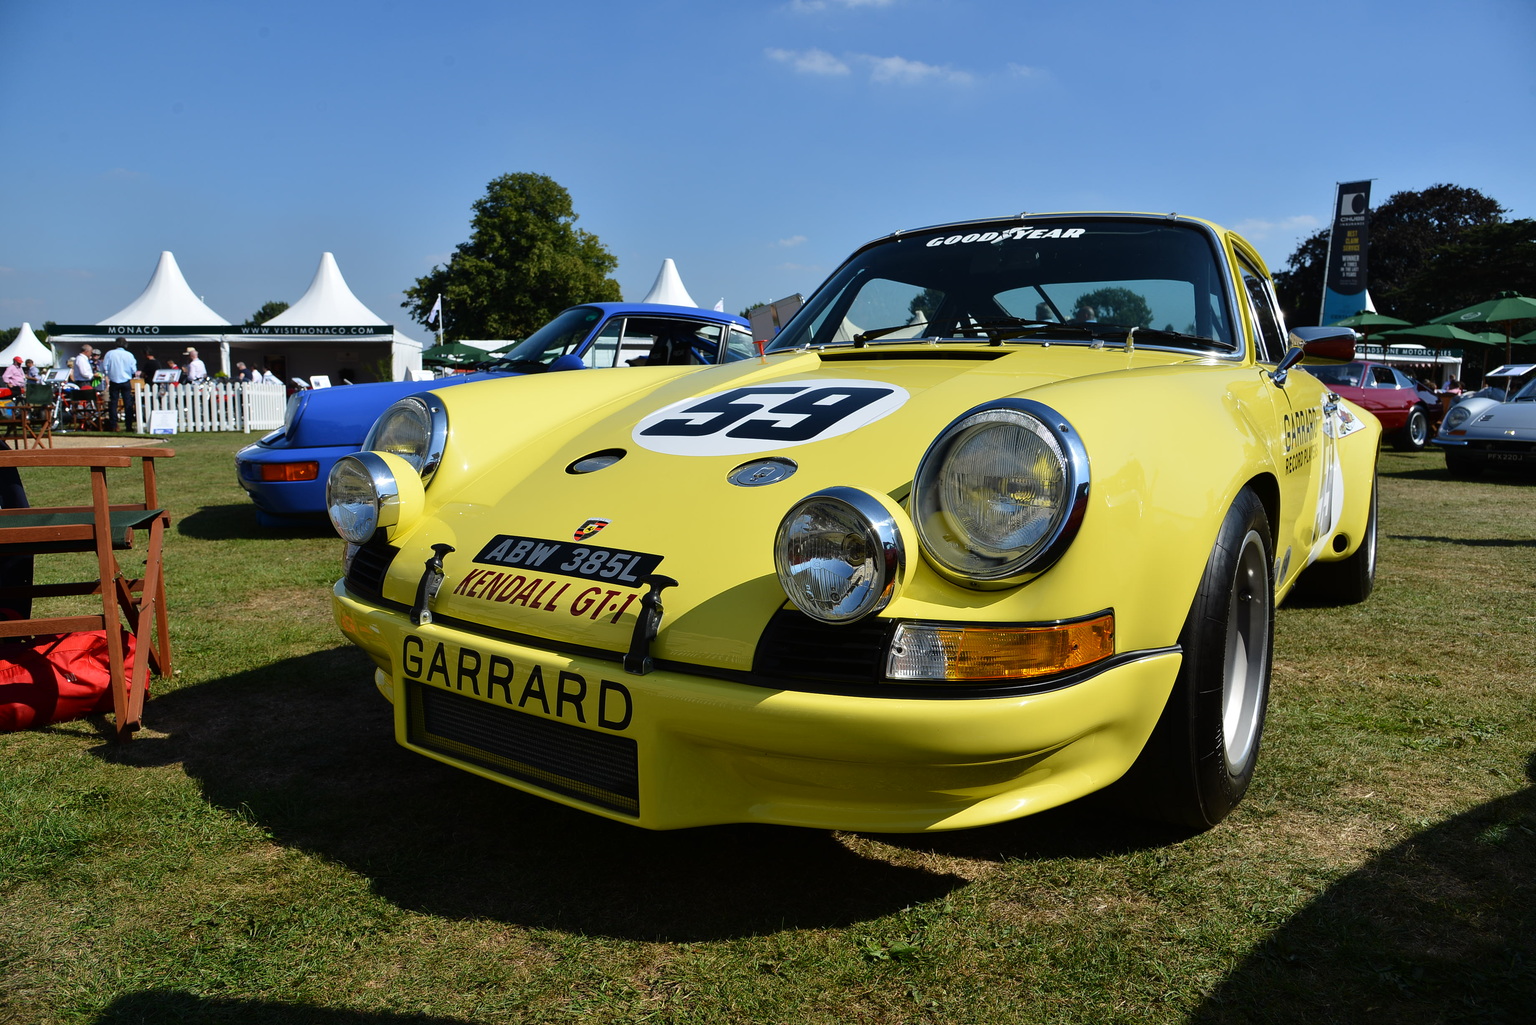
(1195, 341)
(1001, 329)
(864, 337)
(518, 365)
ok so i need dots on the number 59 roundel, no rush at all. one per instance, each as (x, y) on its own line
(765, 417)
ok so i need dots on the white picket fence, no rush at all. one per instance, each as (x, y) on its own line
(214, 406)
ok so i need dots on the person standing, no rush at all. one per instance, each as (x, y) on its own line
(120, 366)
(33, 374)
(80, 369)
(149, 366)
(15, 378)
(196, 371)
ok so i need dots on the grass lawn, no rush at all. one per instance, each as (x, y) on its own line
(263, 852)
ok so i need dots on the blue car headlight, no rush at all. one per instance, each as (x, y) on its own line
(1000, 493)
(415, 429)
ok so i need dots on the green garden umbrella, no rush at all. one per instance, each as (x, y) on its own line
(1505, 308)
(1367, 321)
(1440, 336)
(453, 354)
(1437, 336)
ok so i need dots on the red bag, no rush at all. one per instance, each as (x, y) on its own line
(58, 677)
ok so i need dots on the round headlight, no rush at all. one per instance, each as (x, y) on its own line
(1455, 418)
(999, 494)
(416, 430)
(370, 491)
(839, 555)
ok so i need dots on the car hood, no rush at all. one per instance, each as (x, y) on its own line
(1500, 418)
(526, 526)
(343, 415)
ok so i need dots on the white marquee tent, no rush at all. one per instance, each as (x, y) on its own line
(669, 288)
(327, 332)
(27, 346)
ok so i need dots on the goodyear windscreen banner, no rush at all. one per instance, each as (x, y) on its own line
(1344, 284)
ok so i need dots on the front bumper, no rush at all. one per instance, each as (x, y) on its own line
(304, 498)
(1512, 453)
(669, 749)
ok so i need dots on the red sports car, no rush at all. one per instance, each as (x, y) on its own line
(1387, 392)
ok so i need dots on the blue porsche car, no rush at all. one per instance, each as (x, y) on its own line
(285, 472)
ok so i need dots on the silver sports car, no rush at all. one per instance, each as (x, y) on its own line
(1494, 428)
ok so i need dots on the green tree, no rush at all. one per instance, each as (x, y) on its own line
(1487, 259)
(524, 262)
(1117, 306)
(1407, 234)
(269, 309)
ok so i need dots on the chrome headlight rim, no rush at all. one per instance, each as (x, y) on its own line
(382, 504)
(883, 535)
(428, 410)
(1064, 443)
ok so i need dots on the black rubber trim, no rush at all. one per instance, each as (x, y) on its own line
(876, 689)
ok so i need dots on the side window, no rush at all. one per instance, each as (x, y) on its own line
(605, 347)
(1265, 320)
(1382, 377)
(739, 345)
(707, 342)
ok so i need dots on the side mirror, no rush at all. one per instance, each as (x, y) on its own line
(1325, 344)
(568, 361)
(1315, 345)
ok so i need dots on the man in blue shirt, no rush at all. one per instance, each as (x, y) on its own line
(120, 366)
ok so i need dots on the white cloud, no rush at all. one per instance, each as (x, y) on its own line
(810, 62)
(791, 242)
(882, 70)
(909, 72)
(814, 6)
(1255, 230)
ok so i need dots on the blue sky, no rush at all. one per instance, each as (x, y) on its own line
(755, 143)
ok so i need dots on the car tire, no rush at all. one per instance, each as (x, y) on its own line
(1200, 758)
(1349, 581)
(1458, 465)
(1415, 433)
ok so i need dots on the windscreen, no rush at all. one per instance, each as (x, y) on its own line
(944, 284)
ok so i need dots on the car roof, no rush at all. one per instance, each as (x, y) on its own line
(663, 309)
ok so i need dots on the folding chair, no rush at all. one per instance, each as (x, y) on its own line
(33, 416)
(136, 606)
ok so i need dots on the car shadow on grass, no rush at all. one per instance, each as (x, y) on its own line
(1442, 474)
(305, 748)
(1469, 542)
(153, 1006)
(1441, 928)
(231, 522)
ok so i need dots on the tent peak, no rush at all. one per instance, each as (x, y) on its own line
(167, 300)
(327, 302)
(668, 289)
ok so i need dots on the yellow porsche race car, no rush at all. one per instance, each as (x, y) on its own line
(998, 519)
